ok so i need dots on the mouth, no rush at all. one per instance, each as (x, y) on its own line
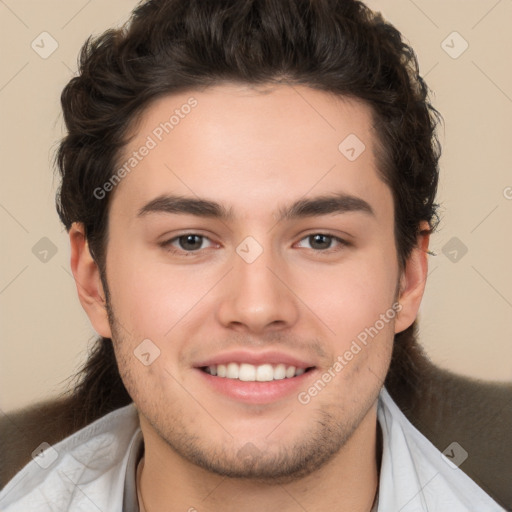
(255, 378)
(246, 372)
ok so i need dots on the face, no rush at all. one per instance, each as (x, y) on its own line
(246, 242)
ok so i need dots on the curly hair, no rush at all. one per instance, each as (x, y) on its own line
(171, 46)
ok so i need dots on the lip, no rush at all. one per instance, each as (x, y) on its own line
(256, 393)
(256, 358)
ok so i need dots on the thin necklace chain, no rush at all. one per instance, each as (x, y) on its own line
(142, 506)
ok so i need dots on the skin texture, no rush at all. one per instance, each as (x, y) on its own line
(254, 151)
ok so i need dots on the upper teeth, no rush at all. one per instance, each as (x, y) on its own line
(248, 372)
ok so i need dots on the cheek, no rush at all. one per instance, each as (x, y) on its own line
(151, 297)
(353, 295)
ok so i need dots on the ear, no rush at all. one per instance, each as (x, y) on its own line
(413, 280)
(88, 282)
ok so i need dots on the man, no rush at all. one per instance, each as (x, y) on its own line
(249, 189)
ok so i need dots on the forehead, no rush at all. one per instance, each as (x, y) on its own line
(249, 147)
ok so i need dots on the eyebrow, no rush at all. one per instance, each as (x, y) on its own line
(316, 206)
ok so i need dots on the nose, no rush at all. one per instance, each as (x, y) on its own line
(257, 297)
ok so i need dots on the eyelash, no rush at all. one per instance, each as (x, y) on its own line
(167, 245)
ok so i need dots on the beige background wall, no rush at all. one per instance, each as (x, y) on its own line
(466, 321)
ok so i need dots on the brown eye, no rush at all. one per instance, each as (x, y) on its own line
(323, 243)
(320, 241)
(190, 242)
(187, 244)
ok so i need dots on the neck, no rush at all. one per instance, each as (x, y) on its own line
(348, 482)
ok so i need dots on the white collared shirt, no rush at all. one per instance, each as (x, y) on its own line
(95, 468)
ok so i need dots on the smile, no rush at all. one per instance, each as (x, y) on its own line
(251, 373)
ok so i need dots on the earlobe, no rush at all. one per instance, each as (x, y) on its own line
(88, 281)
(413, 280)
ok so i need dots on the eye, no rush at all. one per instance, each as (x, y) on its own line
(323, 242)
(190, 242)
